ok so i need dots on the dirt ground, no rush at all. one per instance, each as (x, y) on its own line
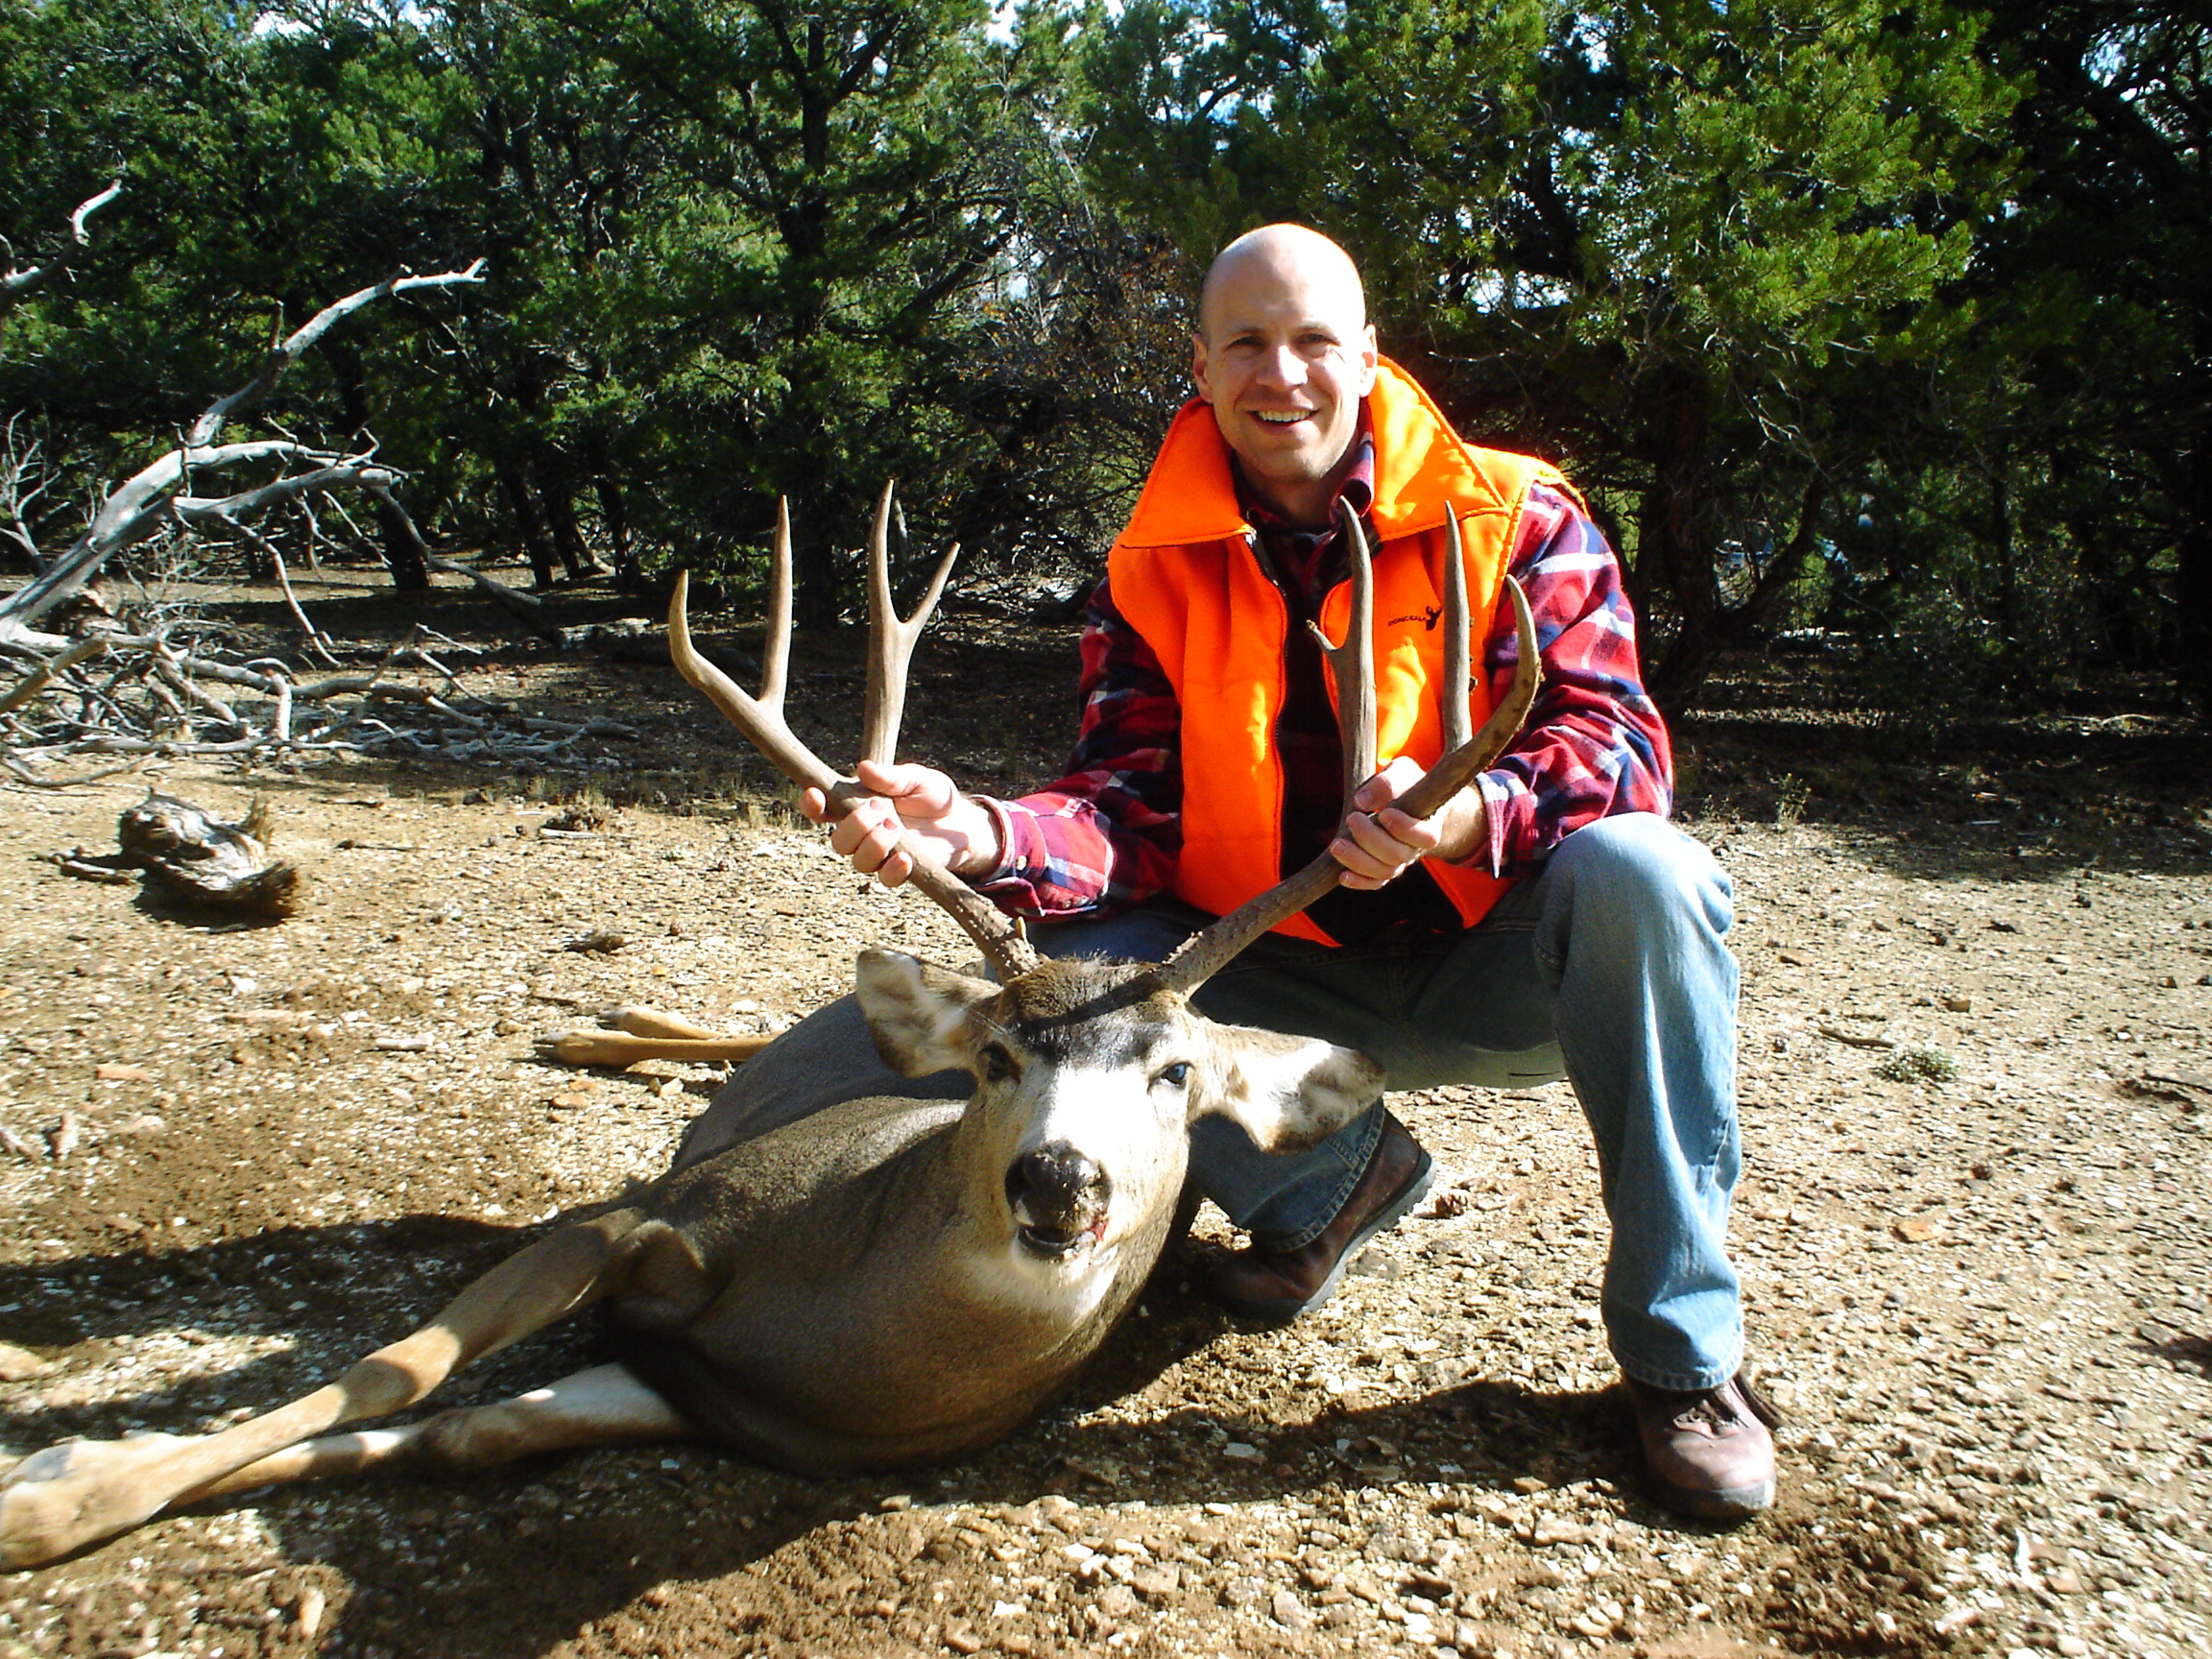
(1975, 1229)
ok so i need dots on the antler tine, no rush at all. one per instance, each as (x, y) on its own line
(764, 725)
(1459, 768)
(1353, 662)
(1456, 665)
(889, 641)
(776, 642)
(759, 718)
(1206, 954)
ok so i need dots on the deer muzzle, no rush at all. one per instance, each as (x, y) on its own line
(1058, 1198)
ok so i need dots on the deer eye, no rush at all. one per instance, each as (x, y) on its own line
(998, 1064)
(1175, 1076)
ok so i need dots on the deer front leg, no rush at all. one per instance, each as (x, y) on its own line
(79, 1492)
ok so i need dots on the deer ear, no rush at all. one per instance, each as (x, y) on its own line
(918, 1014)
(1289, 1093)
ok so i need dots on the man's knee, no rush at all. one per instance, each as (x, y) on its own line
(1639, 860)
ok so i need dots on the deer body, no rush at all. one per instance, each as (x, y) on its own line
(873, 1282)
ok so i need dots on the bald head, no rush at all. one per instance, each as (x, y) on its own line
(1283, 354)
(1284, 256)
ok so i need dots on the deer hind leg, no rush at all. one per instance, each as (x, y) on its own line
(77, 1493)
(604, 1405)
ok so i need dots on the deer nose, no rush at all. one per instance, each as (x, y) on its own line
(1056, 1193)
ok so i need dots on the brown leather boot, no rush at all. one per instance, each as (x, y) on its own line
(1278, 1284)
(1709, 1451)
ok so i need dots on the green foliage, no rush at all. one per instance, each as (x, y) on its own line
(1885, 320)
(1697, 251)
(735, 251)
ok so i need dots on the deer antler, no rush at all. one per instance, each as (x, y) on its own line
(891, 641)
(1205, 953)
(761, 719)
(1353, 662)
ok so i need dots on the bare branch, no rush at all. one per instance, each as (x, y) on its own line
(316, 642)
(16, 286)
(144, 501)
(284, 354)
(39, 678)
(527, 606)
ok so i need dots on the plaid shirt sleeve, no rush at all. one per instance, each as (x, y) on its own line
(1594, 745)
(1106, 837)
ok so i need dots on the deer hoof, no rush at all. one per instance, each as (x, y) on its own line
(62, 1499)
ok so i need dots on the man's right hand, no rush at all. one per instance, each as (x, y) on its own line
(955, 829)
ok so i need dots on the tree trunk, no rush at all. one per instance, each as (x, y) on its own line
(1672, 547)
(549, 470)
(403, 549)
(527, 524)
(2192, 575)
(613, 508)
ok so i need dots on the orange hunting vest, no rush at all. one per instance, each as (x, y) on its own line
(1185, 576)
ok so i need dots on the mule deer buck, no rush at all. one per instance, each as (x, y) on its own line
(832, 1277)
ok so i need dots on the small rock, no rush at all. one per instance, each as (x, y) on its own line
(1374, 1265)
(605, 944)
(1116, 1600)
(1156, 1583)
(963, 1641)
(20, 1364)
(1290, 1612)
(1240, 1452)
(1549, 1530)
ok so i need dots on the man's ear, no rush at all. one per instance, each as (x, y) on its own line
(1199, 365)
(1370, 359)
(1289, 1093)
(917, 1014)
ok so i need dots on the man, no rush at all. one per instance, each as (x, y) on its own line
(1545, 922)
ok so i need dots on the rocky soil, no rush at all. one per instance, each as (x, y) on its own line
(1975, 1233)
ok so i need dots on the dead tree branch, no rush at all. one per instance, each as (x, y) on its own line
(154, 698)
(18, 285)
(153, 496)
(39, 678)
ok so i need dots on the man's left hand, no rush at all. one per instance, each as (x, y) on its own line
(1379, 843)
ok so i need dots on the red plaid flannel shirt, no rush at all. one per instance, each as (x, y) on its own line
(1106, 836)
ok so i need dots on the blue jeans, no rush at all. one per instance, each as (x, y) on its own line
(1607, 967)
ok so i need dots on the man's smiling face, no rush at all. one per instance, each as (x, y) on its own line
(1283, 354)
